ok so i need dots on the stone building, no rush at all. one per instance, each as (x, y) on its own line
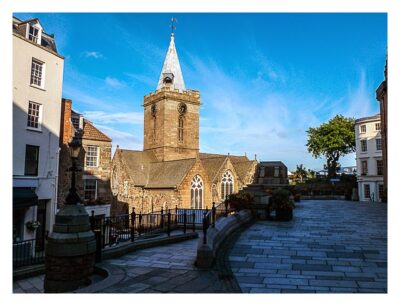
(381, 96)
(37, 87)
(93, 183)
(272, 173)
(170, 171)
(369, 158)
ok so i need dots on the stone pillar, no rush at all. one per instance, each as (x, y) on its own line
(70, 251)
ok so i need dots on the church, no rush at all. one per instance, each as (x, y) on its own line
(171, 171)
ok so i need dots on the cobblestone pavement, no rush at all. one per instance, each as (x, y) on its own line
(329, 246)
(167, 268)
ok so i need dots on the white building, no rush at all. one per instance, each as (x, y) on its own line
(369, 158)
(37, 88)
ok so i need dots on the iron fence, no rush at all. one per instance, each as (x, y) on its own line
(27, 252)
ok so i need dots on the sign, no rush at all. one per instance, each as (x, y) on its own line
(334, 180)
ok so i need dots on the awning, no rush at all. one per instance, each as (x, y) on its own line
(24, 197)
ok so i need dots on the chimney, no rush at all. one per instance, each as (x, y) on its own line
(66, 129)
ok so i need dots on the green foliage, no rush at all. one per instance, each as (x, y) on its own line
(280, 199)
(332, 139)
(239, 201)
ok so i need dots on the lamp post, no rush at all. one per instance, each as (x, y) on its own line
(71, 247)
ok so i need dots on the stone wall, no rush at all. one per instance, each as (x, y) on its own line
(165, 142)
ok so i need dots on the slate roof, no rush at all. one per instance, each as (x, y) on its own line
(169, 173)
(93, 133)
(243, 167)
(145, 170)
(212, 165)
(47, 40)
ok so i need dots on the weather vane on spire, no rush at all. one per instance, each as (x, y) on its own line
(173, 27)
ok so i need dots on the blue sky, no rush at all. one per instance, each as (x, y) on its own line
(264, 78)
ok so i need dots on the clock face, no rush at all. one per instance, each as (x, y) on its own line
(182, 108)
(153, 109)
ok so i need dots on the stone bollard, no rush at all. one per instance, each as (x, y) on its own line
(70, 251)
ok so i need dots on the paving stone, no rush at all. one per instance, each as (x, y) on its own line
(264, 290)
(333, 283)
(308, 267)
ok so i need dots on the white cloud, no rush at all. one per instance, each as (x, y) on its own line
(93, 54)
(125, 140)
(115, 83)
(109, 117)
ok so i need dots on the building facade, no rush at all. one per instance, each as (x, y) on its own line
(369, 158)
(170, 171)
(381, 96)
(272, 173)
(37, 88)
(93, 181)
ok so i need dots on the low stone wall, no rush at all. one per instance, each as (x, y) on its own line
(206, 253)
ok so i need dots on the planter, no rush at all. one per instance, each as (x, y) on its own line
(284, 214)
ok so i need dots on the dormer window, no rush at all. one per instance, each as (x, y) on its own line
(34, 32)
(168, 78)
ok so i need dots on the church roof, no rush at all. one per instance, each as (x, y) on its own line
(213, 165)
(171, 65)
(93, 133)
(243, 167)
(145, 170)
(138, 164)
(169, 174)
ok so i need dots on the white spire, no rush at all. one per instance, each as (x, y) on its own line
(171, 74)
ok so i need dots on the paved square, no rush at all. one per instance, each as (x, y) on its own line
(329, 246)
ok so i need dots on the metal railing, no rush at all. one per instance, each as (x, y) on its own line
(27, 253)
(223, 209)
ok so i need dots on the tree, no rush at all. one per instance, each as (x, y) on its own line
(300, 172)
(332, 139)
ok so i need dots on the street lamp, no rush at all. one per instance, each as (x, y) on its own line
(75, 148)
(71, 246)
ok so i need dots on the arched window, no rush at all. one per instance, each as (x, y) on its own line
(180, 129)
(226, 184)
(154, 128)
(196, 192)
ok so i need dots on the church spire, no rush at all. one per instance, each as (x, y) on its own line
(171, 74)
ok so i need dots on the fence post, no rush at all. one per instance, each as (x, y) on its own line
(162, 218)
(169, 223)
(91, 219)
(194, 221)
(214, 214)
(140, 223)
(97, 235)
(108, 224)
(176, 214)
(184, 222)
(226, 208)
(133, 217)
(205, 228)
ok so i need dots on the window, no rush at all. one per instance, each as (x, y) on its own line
(226, 185)
(364, 167)
(34, 115)
(90, 188)
(76, 122)
(364, 147)
(379, 167)
(380, 191)
(196, 193)
(180, 129)
(154, 128)
(31, 160)
(92, 156)
(378, 126)
(378, 143)
(262, 171)
(37, 70)
(276, 171)
(33, 34)
(363, 128)
(367, 193)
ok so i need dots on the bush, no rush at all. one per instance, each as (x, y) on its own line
(240, 201)
(297, 197)
(280, 199)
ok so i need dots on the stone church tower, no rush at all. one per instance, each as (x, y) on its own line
(171, 114)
